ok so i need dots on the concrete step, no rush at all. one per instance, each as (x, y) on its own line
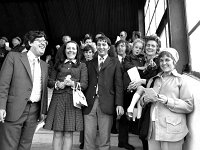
(42, 140)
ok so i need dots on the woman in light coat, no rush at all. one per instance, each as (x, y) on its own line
(171, 101)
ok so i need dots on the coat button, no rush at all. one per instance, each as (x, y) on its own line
(26, 99)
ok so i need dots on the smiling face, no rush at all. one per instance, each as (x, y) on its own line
(151, 48)
(38, 46)
(137, 48)
(71, 50)
(102, 47)
(167, 64)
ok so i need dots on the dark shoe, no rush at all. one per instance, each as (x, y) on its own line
(126, 146)
(114, 131)
(81, 145)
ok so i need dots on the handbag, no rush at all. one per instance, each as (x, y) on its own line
(144, 121)
(79, 99)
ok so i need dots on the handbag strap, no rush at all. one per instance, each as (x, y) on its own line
(78, 86)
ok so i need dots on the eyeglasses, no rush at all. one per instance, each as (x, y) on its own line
(42, 41)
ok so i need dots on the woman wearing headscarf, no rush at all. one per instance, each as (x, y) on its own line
(171, 100)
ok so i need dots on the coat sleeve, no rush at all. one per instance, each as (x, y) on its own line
(5, 79)
(128, 63)
(185, 103)
(52, 78)
(118, 85)
(84, 76)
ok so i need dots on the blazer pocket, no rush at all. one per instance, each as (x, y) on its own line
(174, 124)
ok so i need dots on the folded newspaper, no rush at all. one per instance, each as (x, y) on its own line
(134, 74)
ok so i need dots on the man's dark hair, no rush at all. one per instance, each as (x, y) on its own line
(87, 48)
(122, 41)
(104, 38)
(31, 36)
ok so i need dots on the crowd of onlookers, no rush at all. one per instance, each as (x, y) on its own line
(117, 102)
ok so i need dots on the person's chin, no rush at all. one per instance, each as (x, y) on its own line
(41, 53)
(101, 54)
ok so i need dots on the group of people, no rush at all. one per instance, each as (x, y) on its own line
(5, 47)
(101, 70)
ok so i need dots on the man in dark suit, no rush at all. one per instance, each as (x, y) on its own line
(23, 93)
(105, 90)
(122, 50)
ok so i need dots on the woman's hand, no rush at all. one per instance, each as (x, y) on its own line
(60, 85)
(69, 82)
(134, 84)
(158, 98)
(162, 98)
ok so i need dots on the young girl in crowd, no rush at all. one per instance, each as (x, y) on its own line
(135, 59)
(63, 118)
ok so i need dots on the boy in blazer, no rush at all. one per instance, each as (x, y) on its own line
(23, 93)
(104, 92)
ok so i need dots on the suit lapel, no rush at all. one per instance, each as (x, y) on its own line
(95, 64)
(106, 63)
(26, 63)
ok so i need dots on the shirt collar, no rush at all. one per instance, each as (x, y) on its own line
(67, 60)
(104, 57)
(120, 58)
(174, 73)
(31, 56)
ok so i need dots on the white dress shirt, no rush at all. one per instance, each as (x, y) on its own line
(100, 60)
(36, 77)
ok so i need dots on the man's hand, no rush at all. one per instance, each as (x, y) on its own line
(42, 118)
(2, 115)
(120, 110)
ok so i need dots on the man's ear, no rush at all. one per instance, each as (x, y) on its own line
(157, 49)
(29, 43)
